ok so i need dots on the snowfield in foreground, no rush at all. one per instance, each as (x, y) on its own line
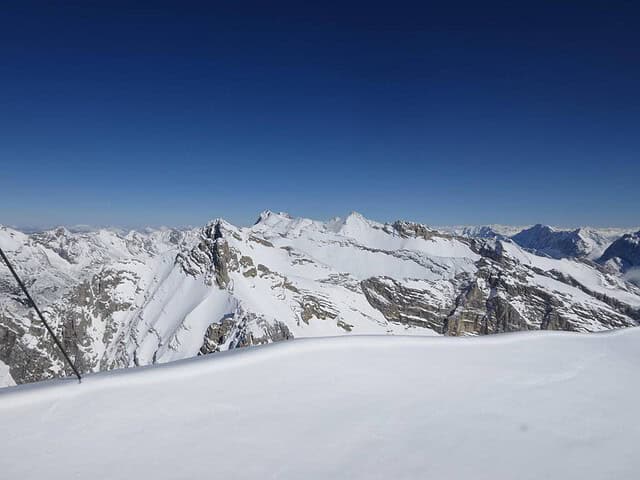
(535, 405)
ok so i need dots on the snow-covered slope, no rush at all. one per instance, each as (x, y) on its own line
(526, 406)
(482, 231)
(123, 299)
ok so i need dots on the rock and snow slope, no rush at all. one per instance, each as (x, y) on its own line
(129, 299)
(587, 243)
(584, 242)
(623, 254)
(526, 406)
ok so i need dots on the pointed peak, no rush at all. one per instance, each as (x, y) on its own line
(537, 229)
(268, 215)
(264, 215)
(215, 229)
(356, 218)
(355, 215)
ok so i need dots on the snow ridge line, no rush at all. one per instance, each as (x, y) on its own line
(61, 389)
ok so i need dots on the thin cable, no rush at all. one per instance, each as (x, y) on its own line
(26, 292)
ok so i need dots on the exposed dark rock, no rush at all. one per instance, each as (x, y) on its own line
(345, 326)
(212, 256)
(410, 229)
(261, 241)
(313, 307)
(403, 305)
(234, 331)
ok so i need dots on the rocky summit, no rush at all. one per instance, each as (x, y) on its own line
(123, 299)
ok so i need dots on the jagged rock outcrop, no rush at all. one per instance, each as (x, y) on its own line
(404, 305)
(415, 230)
(211, 257)
(242, 330)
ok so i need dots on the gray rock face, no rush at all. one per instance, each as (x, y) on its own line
(211, 257)
(27, 363)
(217, 335)
(498, 298)
(314, 307)
(242, 330)
(416, 230)
(404, 305)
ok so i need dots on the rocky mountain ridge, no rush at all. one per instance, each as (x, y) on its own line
(123, 299)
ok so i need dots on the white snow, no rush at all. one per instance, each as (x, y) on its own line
(11, 240)
(360, 247)
(5, 377)
(525, 406)
(476, 230)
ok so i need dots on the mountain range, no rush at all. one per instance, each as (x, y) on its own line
(130, 298)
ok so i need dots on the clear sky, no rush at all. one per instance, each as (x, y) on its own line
(132, 114)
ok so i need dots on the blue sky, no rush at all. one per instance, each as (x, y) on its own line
(175, 113)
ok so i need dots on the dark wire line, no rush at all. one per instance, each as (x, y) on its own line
(26, 292)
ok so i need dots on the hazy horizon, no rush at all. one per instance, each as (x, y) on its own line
(142, 226)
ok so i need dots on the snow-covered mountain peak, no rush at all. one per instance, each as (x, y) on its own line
(284, 225)
(264, 215)
(269, 217)
(482, 231)
(214, 228)
(354, 225)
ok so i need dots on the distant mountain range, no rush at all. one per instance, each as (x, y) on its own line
(123, 299)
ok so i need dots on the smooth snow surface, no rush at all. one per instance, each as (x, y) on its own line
(525, 406)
